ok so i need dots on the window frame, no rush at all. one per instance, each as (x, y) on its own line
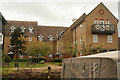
(30, 39)
(30, 29)
(109, 39)
(51, 38)
(95, 21)
(81, 40)
(95, 38)
(40, 38)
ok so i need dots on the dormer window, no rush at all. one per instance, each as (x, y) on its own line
(30, 30)
(12, 29)
(23, 29)
(50, 37)
(40, 38)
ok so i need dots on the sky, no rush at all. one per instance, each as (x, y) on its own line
(52, 12)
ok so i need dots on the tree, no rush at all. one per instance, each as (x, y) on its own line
(17, 42)
(38, 48)
(69, 48)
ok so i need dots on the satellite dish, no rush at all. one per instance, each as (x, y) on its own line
(1, 38)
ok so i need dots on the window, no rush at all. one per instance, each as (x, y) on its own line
(109, 39)
(95, 38)
(81, 27)
(12, 29)
(29, 38)
(21, 56)
(101, 22)
(81, 40)
(30, 30)
(50, 37)
(95, 21)
(23, 29)
(40, 38)
(107, 22)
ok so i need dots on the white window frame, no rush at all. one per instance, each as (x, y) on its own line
(29, 39)
(109, 38)
(81, 26)
(102, 21)
(95, 21)
(21, 56)
(30, 30)
(81, 41)
(12, 29)
(51, 38)
(40, 38)
(23, 29)
(95, 38)
(107, 22)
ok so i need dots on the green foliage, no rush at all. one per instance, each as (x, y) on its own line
(20, 60)
(37, 60)
(57, 60)
(7, 59)
(42, 62)
(17, 42)
(38, 48)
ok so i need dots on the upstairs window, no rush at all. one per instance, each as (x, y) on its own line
(50, 37)
(23, 29)
(101, 21)
(12, 29)
(95, 21)
(81, 27)
(30, 30)
(109, 39)
(40, 38)
(95, 38)
(107, 22)
(81, 40)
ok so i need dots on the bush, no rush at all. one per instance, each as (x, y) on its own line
(7, 59)
(20, 60)
(42, 62)
(57, 60)
(23, 60)
(36, 60)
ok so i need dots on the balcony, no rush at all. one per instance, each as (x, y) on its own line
(103, 28)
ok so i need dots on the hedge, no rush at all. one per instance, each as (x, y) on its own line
(57, 60)
(7, 59)
(37, 59)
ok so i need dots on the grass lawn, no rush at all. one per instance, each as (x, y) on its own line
(24, 65)
(56, 63)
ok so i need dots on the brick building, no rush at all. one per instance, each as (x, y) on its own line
(96, 31)
(34, 32)
(93, 32)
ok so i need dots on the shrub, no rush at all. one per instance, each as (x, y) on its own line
(37, 59)
(57, 60)
(23, 60)
(20, 60)
(42, 62)
(7, 59)
(15, 60)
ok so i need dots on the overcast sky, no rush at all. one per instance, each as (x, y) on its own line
(51, 12)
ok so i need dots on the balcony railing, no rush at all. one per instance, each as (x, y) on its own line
(103, 28)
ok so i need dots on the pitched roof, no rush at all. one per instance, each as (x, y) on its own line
(105, 7)
(82, 18)
(46, 31)
(78, 21)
